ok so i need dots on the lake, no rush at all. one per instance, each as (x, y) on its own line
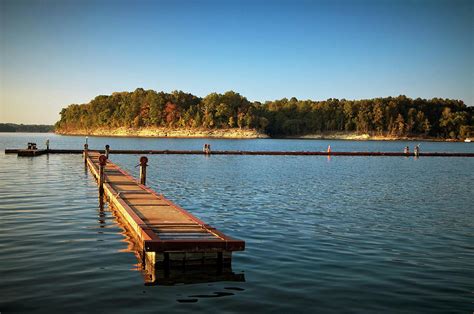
(339, 234)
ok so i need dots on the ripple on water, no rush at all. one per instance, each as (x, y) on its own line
(365, 234)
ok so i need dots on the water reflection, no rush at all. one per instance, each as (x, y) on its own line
(204, 274)
(158, 275)
(218, 294)
(101, 216)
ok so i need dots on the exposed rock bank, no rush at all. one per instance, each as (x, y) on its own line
(353, 136)
(166, 132)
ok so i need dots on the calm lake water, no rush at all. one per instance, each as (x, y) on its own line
(340, 234)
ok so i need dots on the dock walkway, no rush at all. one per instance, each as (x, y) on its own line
(168, 235)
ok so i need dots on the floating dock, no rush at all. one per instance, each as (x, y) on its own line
(238, 152)
(30, 152)
(168, 235)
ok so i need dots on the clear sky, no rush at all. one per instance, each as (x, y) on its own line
(54, 53)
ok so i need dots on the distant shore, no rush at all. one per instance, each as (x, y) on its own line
(26, 128)
(351, 136)
(233, 133)
(236, 133)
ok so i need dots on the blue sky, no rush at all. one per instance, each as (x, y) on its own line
(54, 53)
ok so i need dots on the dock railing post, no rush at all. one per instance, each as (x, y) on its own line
(86, 152)
(143, 165)
(107, 151)
(102, 163)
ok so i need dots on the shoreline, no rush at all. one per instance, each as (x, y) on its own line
(367, 137)
(236, 133)
(233, 133)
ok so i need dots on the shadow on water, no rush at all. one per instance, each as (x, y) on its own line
(183, 275)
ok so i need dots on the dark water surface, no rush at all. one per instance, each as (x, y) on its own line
(345, 234)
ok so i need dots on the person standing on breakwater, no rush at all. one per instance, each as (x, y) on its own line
(417, 150)
(406, 150)
(329, 149)
(207, 149)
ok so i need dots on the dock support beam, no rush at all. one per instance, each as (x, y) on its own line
(102, 163)
(143, 165)
(107, 151)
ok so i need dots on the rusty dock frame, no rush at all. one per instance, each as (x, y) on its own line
(167, 235)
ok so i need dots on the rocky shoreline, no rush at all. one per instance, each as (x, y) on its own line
(234, 133)
(368, 137)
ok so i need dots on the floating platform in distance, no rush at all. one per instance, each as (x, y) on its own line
(258, 153)
(168, 236)
(30, 152)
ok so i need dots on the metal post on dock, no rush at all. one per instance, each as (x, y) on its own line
(86, 152)
(102, 163)
(143, 165)
(107, 151)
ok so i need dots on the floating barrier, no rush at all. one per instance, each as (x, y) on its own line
(233, 152)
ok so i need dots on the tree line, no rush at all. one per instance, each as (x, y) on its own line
(36, 128)
(390, 116)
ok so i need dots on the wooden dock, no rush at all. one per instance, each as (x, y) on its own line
(251, 153)
(168, 235)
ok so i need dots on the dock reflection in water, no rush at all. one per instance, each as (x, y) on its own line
(176, 275)
(190, 275)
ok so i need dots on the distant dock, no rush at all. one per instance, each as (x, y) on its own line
(29, 152)
(23, 152)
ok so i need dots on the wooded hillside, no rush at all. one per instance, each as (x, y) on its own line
(392, 116)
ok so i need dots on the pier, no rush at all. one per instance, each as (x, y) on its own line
(167, 235)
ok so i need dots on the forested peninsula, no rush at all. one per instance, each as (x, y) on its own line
(150, 113)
